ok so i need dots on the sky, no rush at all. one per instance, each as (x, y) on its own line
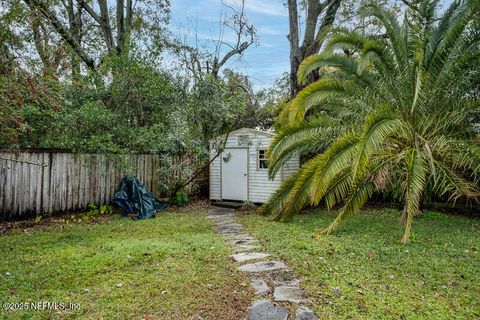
(262, 63)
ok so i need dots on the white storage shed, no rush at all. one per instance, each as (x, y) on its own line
(240, 173)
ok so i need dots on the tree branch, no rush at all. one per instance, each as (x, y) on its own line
(120, 26)
(328, 20)
(36, 5)
(105, 24)
(199, 171)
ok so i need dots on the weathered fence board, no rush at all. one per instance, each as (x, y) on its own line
(44, 182)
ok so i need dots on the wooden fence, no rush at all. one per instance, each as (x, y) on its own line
(50, 181)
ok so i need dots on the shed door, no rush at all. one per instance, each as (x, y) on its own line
(234, 174)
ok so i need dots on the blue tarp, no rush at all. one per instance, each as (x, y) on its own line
(136, 200)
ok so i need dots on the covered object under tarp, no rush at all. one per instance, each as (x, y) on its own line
(136, 200)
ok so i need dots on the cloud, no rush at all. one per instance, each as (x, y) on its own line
(267, 7)
(269, 45)
(271, 30)
(199, 20)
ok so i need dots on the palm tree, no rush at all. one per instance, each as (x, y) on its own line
(388, 113)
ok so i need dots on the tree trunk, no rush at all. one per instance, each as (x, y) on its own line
(120, 27)
(39, 6)
(203, 168)
(75, 22)
(293, 39)
(38, 41)
(105, 25)
(128, 25)
(313, 35)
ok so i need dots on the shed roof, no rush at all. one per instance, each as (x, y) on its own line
(250, 130)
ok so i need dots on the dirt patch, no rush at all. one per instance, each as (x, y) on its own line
(73, 217)
(83, 217)
(228, 302)
(196, 205)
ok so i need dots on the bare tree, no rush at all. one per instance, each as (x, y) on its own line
(320, 15)
(201, 61)
(245, 36)
(75, 22)
(115, 30)
(64, 31)
(123, 17)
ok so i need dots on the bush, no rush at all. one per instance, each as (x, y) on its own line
(180, 198)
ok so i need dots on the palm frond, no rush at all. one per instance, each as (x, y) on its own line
(393, 29)
(309, 136)
(378, 126)
(335, 159)
(314, 62)
(452, 29)
(416, 170)
(460, 156)
(316, 93)
(451, 184)
(373, 52)
(451, 14)
(344, 39)
(338, 188)
(359, 195)
(277, 201)
(298, 196)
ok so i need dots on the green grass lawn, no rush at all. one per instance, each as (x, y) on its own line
(170, 267)
(363, 272)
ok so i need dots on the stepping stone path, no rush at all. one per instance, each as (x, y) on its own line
(245, 256)
(276, 286)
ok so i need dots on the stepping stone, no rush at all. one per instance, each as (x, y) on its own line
(304, 313)
(245, 256)
(289, 294)
(219, 210)
(219, 221)
(284, 278)
(230, 232)
(229, 226)
(220, 227)
(225, 221)
(266, 310)
(243, 248)
(240, 236)
(242, 241)
(226, 230)
(232, 236)
(221, 216)
(262, 266)
(259, 285)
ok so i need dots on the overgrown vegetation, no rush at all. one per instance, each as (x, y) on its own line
(362, 272)
(75, 77)
(390, 114)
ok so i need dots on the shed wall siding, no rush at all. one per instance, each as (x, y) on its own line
(290, 167)
(260, 187)
(215, 177)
